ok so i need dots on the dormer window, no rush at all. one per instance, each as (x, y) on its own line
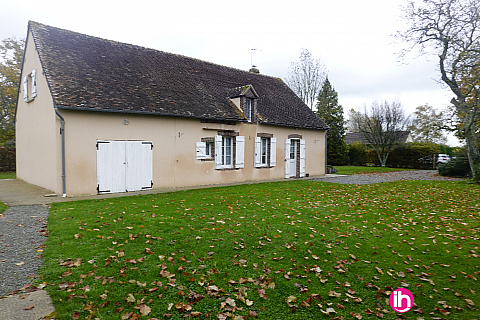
(248, 109)
(245, 99)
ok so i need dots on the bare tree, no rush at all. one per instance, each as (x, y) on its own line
(382, 125)
(306, 77)
(451, 28)
(355, 118)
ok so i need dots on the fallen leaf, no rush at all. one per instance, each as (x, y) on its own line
(145, 310)
(332, 293)
(131, 298)
(230, 302)
(356, 315)
(469, 302)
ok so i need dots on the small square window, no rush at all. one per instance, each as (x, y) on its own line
(208, 150)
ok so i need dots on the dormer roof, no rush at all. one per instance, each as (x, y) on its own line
(244, 91)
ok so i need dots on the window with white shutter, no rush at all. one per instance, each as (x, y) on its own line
(229, 151)
(30, 86)
(265, 151)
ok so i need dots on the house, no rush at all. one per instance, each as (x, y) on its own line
(351, 137)
(99, 116)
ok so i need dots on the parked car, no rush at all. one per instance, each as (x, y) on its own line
(443, 158)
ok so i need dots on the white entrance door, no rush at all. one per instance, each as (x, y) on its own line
(290, 158)
(124, 166)
(294, 158)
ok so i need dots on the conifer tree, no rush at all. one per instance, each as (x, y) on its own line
(332, 113)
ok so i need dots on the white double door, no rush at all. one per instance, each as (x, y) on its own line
(124, 166)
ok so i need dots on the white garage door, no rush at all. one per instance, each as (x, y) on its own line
(124, 166)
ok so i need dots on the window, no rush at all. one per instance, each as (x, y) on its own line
(293, 144)
(265, 151)
(229, 151)
(263, 156)
(205, 150)
(208, 149)
(248, 109)
(30, 86)
(226, 151)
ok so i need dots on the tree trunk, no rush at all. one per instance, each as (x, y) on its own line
(473, 152)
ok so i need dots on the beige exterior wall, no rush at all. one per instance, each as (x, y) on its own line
(39, 153)
(37, 131)
(174, 152)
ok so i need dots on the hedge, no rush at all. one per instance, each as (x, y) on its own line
(7, 159)
(357, 155)
(413, 155)
(406, 155)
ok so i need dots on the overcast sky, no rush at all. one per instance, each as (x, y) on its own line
(353, 38)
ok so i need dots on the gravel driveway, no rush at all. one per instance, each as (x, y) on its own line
(369, 178)
(20, 238)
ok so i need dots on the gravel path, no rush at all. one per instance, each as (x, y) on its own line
(369, 178)
(20, 238)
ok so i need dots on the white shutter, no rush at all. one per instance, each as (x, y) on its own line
(34, 83)
(258, 152)
(302, 158)
(218, 152)
(273, 152)
(25, 88)
(287, 158)
(201, 150)
(240, 152)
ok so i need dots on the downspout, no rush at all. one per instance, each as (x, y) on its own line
(326, 141)
(62, 133)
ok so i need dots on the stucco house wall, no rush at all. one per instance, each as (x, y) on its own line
(174, 122)
(174, 159)
(37, 130)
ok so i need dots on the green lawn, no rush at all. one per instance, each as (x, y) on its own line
(8, 175)
(3, 207)
(284, 250)
(360, 170)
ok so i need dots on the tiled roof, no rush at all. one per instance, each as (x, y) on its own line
(89, 73)
(352, 137)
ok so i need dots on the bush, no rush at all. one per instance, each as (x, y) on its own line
(356, 153)
(7, 159)
(457, 167)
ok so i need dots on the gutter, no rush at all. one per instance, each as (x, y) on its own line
(62, 133)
